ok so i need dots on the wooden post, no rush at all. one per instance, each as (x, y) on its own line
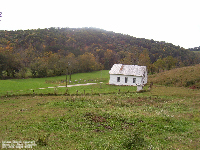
(66, 91)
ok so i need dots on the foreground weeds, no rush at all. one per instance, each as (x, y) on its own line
(164, 118)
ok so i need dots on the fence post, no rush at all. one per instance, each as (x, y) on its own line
(66, 91)
(77, 92)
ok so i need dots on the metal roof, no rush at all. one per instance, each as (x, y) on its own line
(134, 70)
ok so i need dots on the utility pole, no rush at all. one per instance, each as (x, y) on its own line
(70, 73)
(101, 74)
(66, 75)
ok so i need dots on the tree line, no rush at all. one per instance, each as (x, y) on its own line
(54, 51)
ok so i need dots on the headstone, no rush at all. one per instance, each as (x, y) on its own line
(139, 88)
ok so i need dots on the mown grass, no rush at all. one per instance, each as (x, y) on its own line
(26, 86)
(160, 119)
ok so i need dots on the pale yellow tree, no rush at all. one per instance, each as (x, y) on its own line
(144, 59)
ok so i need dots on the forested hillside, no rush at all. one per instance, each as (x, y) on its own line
(52, 51)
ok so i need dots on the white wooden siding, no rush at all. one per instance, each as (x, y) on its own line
(113, 80)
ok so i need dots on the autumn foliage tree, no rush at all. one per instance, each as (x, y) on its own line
(87, 63)
(159, 65)
(170, 62)
(110, 58)
(165, 64)
(144, 59)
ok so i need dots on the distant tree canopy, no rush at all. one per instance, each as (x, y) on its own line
(48, 52)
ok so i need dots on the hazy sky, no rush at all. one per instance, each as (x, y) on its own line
(173, 21)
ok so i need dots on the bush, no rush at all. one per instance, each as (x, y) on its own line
(189, 83)
(134, 141)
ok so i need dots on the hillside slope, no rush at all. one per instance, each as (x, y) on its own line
(185, 76)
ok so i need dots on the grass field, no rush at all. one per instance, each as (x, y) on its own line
(26, 86)
(163, 118)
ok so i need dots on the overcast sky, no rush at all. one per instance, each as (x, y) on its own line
(173, 21)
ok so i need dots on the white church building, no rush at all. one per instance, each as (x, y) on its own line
(132, 75)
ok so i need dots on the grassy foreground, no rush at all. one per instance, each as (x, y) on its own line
(164, 118)
(98, 116)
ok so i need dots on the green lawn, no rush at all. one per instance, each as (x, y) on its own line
(26, 86)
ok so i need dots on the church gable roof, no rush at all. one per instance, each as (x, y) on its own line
(134, 70)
